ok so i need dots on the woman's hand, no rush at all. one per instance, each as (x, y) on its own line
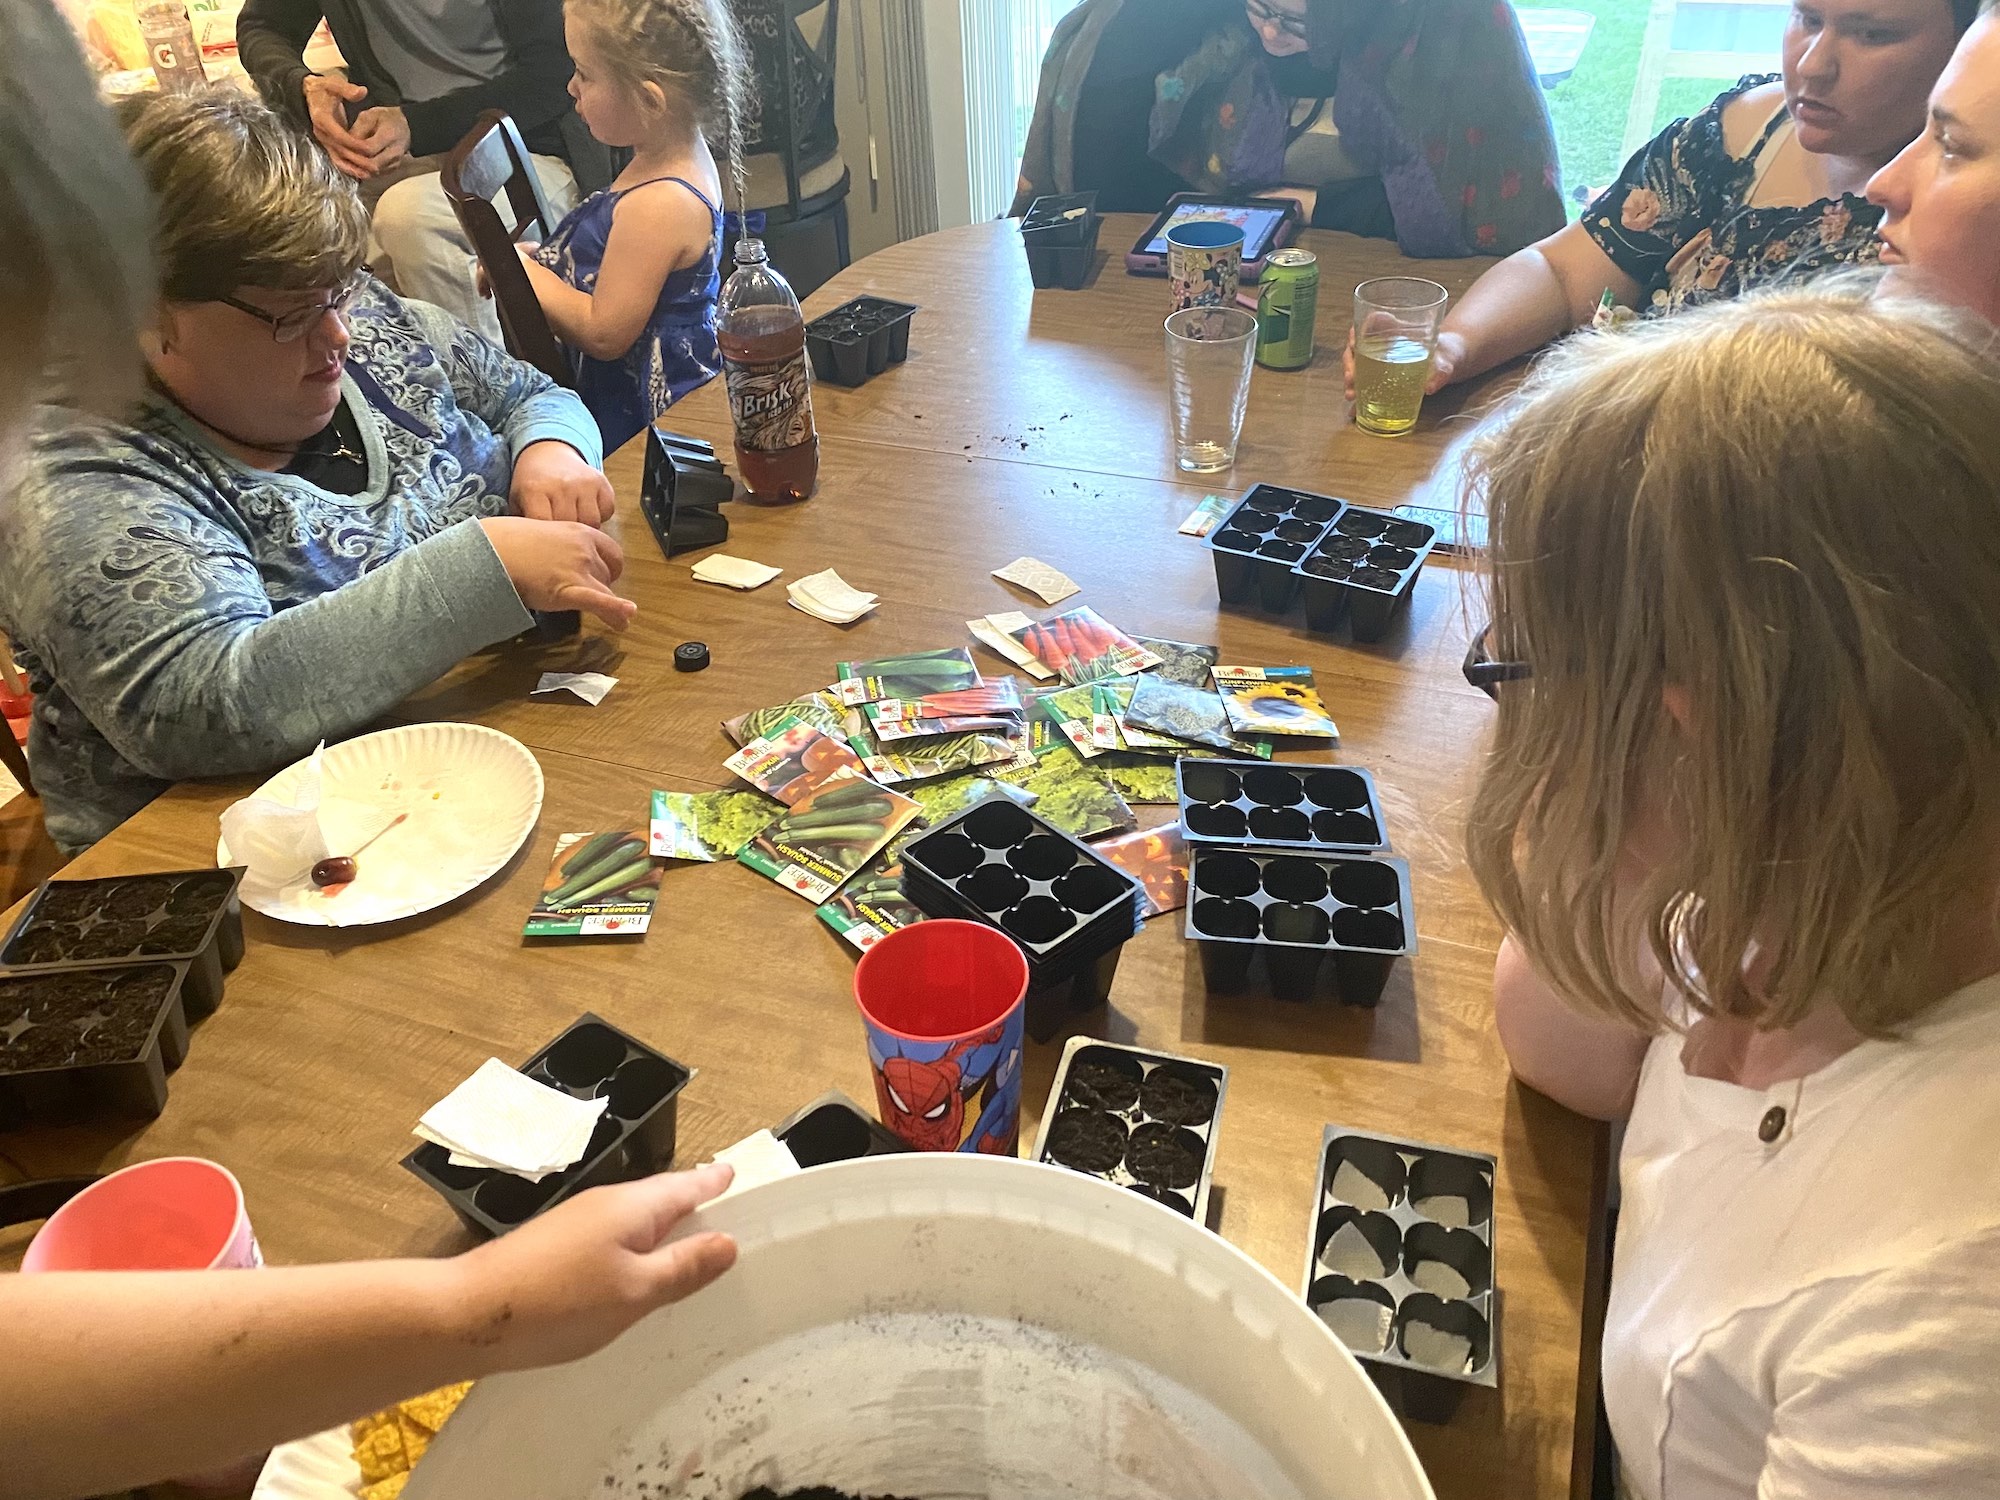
(552, 482)
(569, 1282)
(558, 565)
(1446, 360)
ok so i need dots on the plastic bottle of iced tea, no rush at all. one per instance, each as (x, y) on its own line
(763, 339)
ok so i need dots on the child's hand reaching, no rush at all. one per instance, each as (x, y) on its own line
(553, 483)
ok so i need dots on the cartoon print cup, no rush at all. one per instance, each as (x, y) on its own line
(177, 1213)
(942, 1004)
(1204, 263)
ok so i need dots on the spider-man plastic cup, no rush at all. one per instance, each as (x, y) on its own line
(942, 1004)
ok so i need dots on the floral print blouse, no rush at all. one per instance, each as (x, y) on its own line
(1677, 222)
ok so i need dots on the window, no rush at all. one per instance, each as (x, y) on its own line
(1003, 44)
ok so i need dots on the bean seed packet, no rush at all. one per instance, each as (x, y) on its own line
(792, 761)
(823, 710)
(891, 730)
(828, 835)
(598, 885)
(1158, 859)
(917, 675)
(709, 826)
(1182, 661)
(1273, 700)
(1070, 794)
(871, 905)
(1082, 646)
(1183, 712)
(936, 755)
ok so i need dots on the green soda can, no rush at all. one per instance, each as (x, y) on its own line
(1287, 298)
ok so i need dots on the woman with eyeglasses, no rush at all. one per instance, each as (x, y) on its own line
(327, 497)
(1765, 185)
(1741, 821)
(1417, 120)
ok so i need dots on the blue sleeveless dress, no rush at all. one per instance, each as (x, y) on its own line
(676, 351)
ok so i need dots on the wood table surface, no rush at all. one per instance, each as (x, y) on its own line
(1023, 423)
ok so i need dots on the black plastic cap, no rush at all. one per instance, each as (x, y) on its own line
(690, 656)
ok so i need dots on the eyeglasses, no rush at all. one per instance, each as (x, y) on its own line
(1487, 674)
(289, 327)
(1262, 14)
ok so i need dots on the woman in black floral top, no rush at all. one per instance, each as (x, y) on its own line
(1766, 182)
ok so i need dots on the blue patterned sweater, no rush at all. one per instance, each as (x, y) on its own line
(180, 614)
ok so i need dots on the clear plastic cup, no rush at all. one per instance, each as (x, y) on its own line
(1396, 322)
(1209, 354)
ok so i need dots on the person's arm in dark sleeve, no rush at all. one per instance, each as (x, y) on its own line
(271, 37)
(533, 87)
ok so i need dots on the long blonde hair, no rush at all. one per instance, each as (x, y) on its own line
(1784, 512)
(691, 49)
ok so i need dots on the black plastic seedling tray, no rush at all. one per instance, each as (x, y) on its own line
(186, 916)
(1363, 570)
(1061, 243)
(1259, 544)
(1138, 1119)
(1399, 1264)
(858, 340)
(1302, 913)
(634, 1137)
(834, 1128)
(1237, 802)
(77, 1040)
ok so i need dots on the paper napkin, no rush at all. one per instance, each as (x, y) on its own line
(828, 596)
(503, 1119)
(734, 572)
(1037, 578)
(591, 687)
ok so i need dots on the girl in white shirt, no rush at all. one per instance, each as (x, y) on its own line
(1742, 822)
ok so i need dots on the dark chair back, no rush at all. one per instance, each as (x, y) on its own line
(792, 113)
(492, 163)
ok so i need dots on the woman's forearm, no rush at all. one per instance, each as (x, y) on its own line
(1514, 309)
(185, 1371)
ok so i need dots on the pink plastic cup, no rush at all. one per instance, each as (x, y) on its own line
(179, 1213)
(941, 1002)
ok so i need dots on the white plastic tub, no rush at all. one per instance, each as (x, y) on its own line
(941, 1326)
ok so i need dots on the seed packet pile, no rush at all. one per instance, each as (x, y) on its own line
(828, 835)
(1273, 700)
(709, 826)
(599, 884)
(1082, 646)
(791, 761)
(914, 676)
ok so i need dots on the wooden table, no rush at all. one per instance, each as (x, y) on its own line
(1023, 423)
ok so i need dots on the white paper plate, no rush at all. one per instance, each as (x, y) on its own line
(472, 795)
(320, 1467)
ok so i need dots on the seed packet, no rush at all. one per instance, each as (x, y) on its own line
(1139, 780)
(1185, 713)
(1158, 859)
(889, 730)
(942, 800)
(1083, 646)
(1273, 700)
(823, 710)
(792, 761)
(828, 835)
(1182, 661)
(599, 884)
(709, 826)
(1071, 795)
(995, 695)
(917, 675)
(1204, 517)
(871, 905)
(1072, 712)
(936, 755)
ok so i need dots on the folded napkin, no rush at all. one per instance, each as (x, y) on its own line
(827, 596)
(757, 1159)
(503, 1119)
(734, 572)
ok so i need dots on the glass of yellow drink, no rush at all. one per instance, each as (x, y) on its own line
(1396, 322)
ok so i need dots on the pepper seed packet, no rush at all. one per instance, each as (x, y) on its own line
(1158, 859)
(1273, 700)
(598, 885)
(871, 905)
(1182, 661)
(1186, 713)
(790, 762)
(828, 835)
(1083, 646)
(917, 675)
(709, 826)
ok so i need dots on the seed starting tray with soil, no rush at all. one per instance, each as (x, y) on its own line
(1137, 1119)
(1399, 1264)
(1238, 802)
(75, 1040)
(187, 916)
(1298, 911)
(1258, 546)
(634, 1136)
(1364, 569)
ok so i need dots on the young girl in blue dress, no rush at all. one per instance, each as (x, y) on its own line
(629, 278)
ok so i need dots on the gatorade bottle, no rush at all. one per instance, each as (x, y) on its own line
(763, 338)
(170, 46)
